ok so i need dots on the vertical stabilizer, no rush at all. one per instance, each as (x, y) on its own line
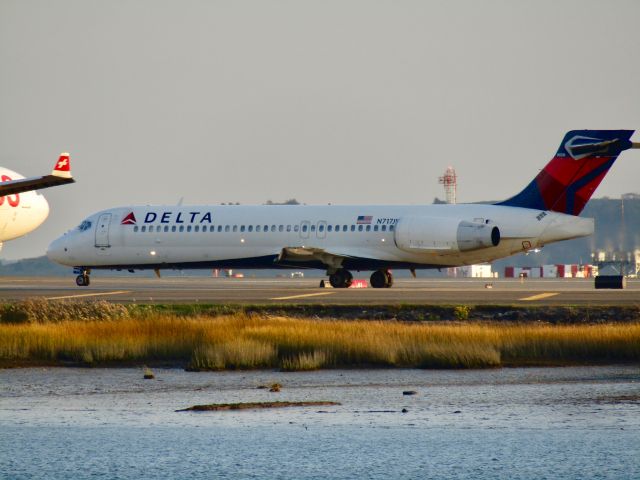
(567, 182)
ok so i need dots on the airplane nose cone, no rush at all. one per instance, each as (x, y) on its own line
(57, 251)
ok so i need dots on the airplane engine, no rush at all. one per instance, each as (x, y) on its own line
(445, 235)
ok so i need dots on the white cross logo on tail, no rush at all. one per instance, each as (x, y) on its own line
(62, 163)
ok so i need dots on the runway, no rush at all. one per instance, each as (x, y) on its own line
(559, 292)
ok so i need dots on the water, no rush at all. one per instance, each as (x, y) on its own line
(508, 423)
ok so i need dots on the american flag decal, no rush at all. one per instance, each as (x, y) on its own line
(364, 219)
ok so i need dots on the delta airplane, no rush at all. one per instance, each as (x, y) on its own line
(22, 208)
(341, 239)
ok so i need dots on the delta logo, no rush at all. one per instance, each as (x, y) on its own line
(129, 220)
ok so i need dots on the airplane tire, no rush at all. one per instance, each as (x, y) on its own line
(82, 280)
(381, 279)
(341, 279)
(378, 279)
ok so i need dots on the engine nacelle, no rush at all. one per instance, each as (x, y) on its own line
(445, 235)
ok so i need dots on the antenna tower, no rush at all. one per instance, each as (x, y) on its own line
(450, 182)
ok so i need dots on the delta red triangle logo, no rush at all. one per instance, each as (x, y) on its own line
(129, 220)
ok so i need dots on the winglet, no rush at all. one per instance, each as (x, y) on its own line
(62, 167)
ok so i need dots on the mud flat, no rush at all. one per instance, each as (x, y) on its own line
(217, 407)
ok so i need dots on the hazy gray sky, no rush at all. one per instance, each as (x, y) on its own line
(326, 101)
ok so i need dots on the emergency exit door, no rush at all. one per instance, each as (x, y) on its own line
(102, 230)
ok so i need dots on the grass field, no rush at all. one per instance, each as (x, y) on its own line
(241, 341)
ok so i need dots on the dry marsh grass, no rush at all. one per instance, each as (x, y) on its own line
(247, 342)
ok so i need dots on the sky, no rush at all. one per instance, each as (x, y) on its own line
(333, 101)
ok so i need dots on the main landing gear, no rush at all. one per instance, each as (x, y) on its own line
(82, 280)
(381, 279)
(341, 278)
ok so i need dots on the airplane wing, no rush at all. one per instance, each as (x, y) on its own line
(60, 175)
(309, 254)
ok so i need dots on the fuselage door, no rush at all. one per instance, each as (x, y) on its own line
(304, 228)
(102, 230)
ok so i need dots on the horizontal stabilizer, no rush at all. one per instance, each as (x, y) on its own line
(60, 175)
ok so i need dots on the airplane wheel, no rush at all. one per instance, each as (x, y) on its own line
(378, 279)
(341, 279)
(82, 280)
(381, 279)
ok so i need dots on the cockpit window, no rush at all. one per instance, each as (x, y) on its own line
(86, 225)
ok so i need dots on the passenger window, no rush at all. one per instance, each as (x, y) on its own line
(135, 229)
(219, 228)
(344, 228)
(313, 228)
(251, 228)
(166, 228)
(321, 228)
(212, 228)
(375, 228)
(257, 228)
(182, 228)
(304, 228)
(189, 228)
(329, 228)
(368, 228)
(391, 228)
(173, 229)
(235, 228)
(143, 229)
(273, 228)
(337, 228)
(360, 227)
(242, 228)
(288, 228)
(266, 228)
(384, 228)
(227, 228)
(297, 228)
(353, 228)
(196, 228)
(281, 228)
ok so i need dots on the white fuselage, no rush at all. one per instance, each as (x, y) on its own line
(298, 236)
(22, 212)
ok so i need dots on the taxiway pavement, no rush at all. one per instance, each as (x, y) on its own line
(579, 292)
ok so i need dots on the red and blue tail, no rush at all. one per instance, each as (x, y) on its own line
(567, 182)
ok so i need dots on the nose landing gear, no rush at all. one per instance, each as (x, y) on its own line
(82, 280)
(381, 279)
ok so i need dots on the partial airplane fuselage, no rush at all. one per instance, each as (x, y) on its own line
(296, 236)
(22, 208)
(20, 213)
